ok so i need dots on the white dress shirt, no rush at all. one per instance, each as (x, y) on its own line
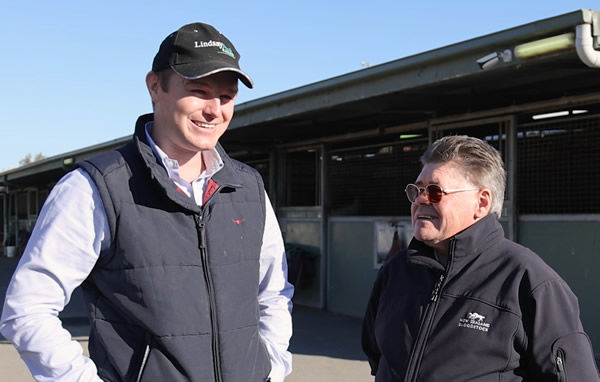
(71, 230)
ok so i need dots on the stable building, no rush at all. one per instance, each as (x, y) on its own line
(336, 155)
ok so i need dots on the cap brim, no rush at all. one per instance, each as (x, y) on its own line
(190, 72)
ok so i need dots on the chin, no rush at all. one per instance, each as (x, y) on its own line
(426, 235)
(205, 145)
(424, 230)
(420, 236)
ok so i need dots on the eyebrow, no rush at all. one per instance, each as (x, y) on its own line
(421, 183)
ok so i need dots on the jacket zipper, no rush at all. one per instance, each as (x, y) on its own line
(423, 335)
(201, 229)
(414, 363)
(560, 366)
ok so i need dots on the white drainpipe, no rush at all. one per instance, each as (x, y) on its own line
(585, 46)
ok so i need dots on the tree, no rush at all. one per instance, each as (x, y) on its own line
(25, 160)
(28, 159)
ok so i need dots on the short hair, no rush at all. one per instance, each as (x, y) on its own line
(163, 78)
(480, 163)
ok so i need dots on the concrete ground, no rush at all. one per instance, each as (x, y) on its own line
(325, 346)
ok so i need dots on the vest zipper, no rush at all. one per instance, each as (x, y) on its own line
(201, 229)
(143, 365)
(414, 363)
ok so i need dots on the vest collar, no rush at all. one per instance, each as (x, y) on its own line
(226, 177)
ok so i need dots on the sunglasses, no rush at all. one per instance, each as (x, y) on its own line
(433, 191)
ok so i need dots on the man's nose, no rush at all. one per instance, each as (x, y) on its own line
(422, 197)
(212, 106)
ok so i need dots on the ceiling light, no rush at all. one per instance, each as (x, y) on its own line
(551, 115)
(545, 46)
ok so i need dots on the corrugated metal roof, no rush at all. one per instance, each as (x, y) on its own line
(433, 84)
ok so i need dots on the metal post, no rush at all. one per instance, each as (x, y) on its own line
(511, 175)
(4, 194)
(323, 189)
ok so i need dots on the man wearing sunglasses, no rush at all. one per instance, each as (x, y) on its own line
(463, 303)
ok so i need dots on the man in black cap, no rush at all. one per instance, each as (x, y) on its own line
(175, 244)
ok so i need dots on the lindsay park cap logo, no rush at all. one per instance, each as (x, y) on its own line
(198, 50)
(207, 44)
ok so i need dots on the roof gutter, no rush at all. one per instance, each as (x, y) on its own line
(585, 40)
(584, 44)
(423, 69)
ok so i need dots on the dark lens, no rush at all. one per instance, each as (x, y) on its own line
(412, 192)
(435, 193)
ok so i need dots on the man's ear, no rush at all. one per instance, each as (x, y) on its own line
(484, 203)
(153, 85)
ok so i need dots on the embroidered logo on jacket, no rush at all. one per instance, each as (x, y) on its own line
(474, 320)
(238, 221)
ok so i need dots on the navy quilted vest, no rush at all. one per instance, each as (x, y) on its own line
(175, 297)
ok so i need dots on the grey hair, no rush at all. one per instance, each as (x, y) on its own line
(480, 163)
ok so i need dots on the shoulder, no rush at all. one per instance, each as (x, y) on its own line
(240, 172)
(524, 257)
(243, 167)
(75, 182)
(106, 162)
(534, 271)
(75, 193)
(397, 267)
(235, 164)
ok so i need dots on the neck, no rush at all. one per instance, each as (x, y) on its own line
(191, 168)
(191, 163)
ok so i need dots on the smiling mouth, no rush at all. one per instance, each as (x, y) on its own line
(425, 217)
(202, 125)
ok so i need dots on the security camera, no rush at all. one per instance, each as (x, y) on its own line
(488, 61)
(492, 59)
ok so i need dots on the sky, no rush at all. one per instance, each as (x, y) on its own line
(72, 73)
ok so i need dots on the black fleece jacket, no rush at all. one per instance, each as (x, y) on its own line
(496, 312)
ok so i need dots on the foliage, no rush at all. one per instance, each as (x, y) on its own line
(28, 159)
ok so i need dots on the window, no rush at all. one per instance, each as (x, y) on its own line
(302, 174)
(369, 180)
(557, 166)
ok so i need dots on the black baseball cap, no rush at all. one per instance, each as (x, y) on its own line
(198, 50)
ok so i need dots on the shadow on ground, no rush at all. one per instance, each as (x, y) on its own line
(326, 334)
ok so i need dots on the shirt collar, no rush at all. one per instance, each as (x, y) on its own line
(211, 158)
